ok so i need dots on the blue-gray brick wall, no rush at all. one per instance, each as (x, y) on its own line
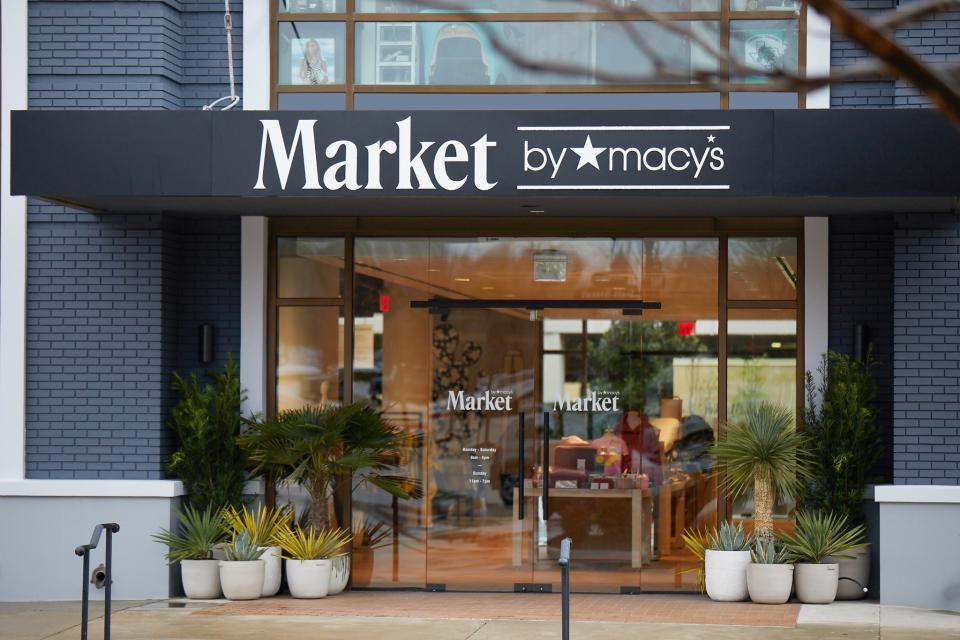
(926, 319)
(113, 302)
(861, 292)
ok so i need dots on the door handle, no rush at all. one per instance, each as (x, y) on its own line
(546, 465)
(521, 465)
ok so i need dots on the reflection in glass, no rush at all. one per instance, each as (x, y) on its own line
(765, 45)
(309, 356)
(311, 6)
(762, 269)
(530, 6)
(310, 53)
(309, 267)
(458, 53)
(761, 359)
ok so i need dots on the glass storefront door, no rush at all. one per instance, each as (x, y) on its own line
(461, 339)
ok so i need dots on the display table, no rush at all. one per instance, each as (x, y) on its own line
(641, 513)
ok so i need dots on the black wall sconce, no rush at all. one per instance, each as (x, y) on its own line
(861, 341)
(207, 336)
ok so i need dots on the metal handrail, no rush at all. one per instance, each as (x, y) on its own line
(564, 562)
(84, 551)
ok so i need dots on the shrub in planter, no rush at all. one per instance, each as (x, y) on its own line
(770, 574)
(845, 439)
(192, 546)
(725, 563)
(308, 555)
(241, 574)
(261, 526)
(817, 537)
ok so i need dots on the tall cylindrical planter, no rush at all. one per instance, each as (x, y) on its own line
(854, 574)
(201, 579)
(726, 575)
(242, 580)
(309, 578)
(361, 566)
(816, 583)
(273, 570)
(339, 574)
(769, 583)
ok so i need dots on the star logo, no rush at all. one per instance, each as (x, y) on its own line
(588, 154)
(711, 138)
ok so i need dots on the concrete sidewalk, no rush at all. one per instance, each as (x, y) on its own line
(177, 620)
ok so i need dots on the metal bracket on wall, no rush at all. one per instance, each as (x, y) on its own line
(532, 587)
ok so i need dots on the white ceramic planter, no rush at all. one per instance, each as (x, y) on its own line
(769, 583)
(272, 571)
(242, 580)
(816, 583)
(339, 574)
(309, 578)
(201, 579)
(726, 575)
(854, 574)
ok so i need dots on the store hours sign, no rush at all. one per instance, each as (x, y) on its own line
(501, 153)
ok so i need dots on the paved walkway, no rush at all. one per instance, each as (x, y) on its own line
(467, 616)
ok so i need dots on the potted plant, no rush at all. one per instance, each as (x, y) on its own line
(770, 573)
(241, 574)
(697, 540)
(846, 443)
(817, 537)
(367, 538)
(261, 526)
(725, 563)
(192, 546)
(765, 454)
(308, 555)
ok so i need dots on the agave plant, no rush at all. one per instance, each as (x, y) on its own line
(764, 453)
(770, 552)
(242, 548)
(818, 535)
(316, 445)
(729, 538)
(197, 534)
(261, 525)
(311, 544)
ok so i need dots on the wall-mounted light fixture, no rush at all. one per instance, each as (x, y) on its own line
(207, 335)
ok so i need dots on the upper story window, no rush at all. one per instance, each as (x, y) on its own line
(328, 51)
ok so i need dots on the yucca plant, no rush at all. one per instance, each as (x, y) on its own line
(766, 454)
(819, 534)
(729, 537)
(770, 552)
(311, 544)
(696, 541)
(260, 525)
(197, 534)
(242, 549)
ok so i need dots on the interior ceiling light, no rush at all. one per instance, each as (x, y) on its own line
(776, 345)
(549, 266)
(462, 279)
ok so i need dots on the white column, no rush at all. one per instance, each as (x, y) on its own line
(816, 297)
(253, 317)
(256, 55)
(818, 57)
(13, 249)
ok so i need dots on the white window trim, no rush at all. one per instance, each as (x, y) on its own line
(816, 292)
(818, 57)
(256, 55)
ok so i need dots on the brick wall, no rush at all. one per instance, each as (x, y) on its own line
(861, 292)
(113, 302)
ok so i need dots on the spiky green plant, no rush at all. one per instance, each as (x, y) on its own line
(315, 446)
(198, 532)
(770, 552)
(369, 534)
(260, 525)
(696, 541)
(820, 534)
(242, 549)
(729, 537)
(764, 453)
(310, 544)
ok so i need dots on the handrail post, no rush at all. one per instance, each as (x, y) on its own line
(84, 552)
(564, 562)
(108, 575)
(85, 602)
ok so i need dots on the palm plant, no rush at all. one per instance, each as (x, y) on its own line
(765, 453)
(198, 533)
(311, 544)
(315, 446)
(819, 534)
(242, 549)
(261, 525)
